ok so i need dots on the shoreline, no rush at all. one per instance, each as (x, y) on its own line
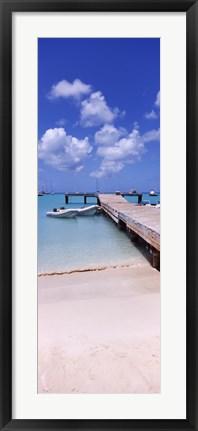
(99, 331)
(135, 262)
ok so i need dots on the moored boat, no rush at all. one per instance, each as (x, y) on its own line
(153, 193)
(62, 213)
(87, 211)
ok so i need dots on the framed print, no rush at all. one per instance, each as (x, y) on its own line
(98, 215)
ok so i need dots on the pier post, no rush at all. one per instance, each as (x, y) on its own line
(140, 198)
(156, 258)
(134, 237)
(121, 225)
(85, 199)
(66, 199)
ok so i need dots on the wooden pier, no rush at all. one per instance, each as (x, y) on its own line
(95, 195)
(139, 220)
(84, 195)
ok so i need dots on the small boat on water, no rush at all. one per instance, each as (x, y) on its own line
(132, 192)
(72, 212)
(153, 193)
(62, 213)
(87, 211)
(40, 193)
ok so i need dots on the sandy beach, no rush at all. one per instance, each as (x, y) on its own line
(99, 331)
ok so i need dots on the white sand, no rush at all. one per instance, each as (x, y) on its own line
(99, 332)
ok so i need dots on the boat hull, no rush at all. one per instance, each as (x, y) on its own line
(88, 211)
(62, 213)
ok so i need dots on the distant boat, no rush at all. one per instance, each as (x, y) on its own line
(117, 192)
(87, 211)
(132, 191)
(153, 193)
(62, 213)
(52, 192)
(40, 193)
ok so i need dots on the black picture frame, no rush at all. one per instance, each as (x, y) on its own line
(6, 9)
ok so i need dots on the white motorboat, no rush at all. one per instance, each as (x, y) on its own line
(87, 211)
(62, 213)
(153, 193)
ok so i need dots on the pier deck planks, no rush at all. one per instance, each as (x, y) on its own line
(142, 220)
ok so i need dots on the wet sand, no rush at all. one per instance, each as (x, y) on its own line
(99, 331)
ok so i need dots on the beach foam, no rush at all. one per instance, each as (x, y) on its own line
(133, 264)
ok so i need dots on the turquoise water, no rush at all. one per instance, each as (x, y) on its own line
(145, 197)
(81, 242)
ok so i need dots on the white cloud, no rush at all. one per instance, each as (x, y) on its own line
(62, 151)
(61, 122)
(157, 100)
(108, 135)
(131, 146)
(128, 149)
(66, 89)
(79, 168)
(95, 111)
(151, 135)
(108, 168)
(151, 115)
(122, 114)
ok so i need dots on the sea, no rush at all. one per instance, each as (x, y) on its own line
(82, 243)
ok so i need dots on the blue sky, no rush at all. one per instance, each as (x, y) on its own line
(98, 114)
